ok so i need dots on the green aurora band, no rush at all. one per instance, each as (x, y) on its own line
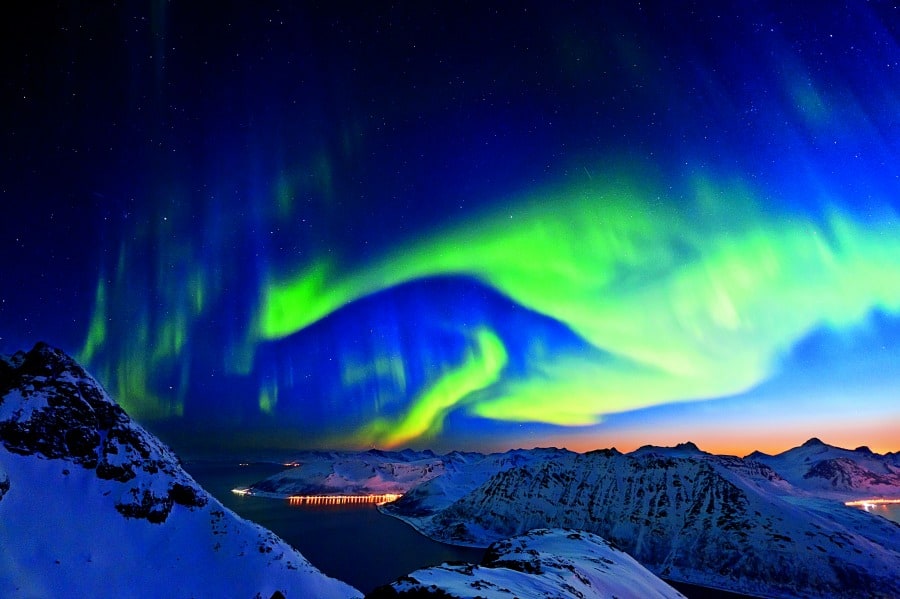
(480, 369)
(694, 301)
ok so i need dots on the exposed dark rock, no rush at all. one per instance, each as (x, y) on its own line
(844, 473)
(688, 446)
(186, 495)
(605, 452)
(146, 504)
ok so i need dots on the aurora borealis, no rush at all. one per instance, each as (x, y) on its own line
(463, 226)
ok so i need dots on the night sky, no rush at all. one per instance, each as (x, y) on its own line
(462, 225)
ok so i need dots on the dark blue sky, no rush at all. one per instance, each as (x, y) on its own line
(462, 224)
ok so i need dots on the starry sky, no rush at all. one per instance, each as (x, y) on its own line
(465, 225)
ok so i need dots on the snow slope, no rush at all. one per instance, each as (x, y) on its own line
(716, 521)
(92, 505)
(540, 563)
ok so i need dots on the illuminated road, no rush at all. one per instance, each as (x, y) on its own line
(868, 504)
(342, 499)
(377, 499)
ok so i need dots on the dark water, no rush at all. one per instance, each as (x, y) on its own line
(890, 511)
(356, 544)
(692, 591)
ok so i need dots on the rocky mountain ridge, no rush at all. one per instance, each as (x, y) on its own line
(718, 521)
(828, 471)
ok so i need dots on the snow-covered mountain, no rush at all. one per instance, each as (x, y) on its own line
(688, 515)
(717, 521)
(370, 472)
(397, 472)
(828, 471)
(540, 563)
(92, 505)
(467, 471)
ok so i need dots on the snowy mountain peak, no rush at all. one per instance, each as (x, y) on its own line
(688, 446)
(757, 455)
(96, 506)
(53, 409)
(826, 470)
(42, 360)
(686, 449)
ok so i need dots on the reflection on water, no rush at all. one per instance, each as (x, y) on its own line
(889, 511)
(887, 508)
(354, 543)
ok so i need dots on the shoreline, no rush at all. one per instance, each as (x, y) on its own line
(410, 523)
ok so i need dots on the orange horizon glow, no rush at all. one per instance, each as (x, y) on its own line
(732, 449)
(733, 440)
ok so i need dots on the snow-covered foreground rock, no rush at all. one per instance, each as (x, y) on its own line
(540, 563)
(686, 515)
(92, 505)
